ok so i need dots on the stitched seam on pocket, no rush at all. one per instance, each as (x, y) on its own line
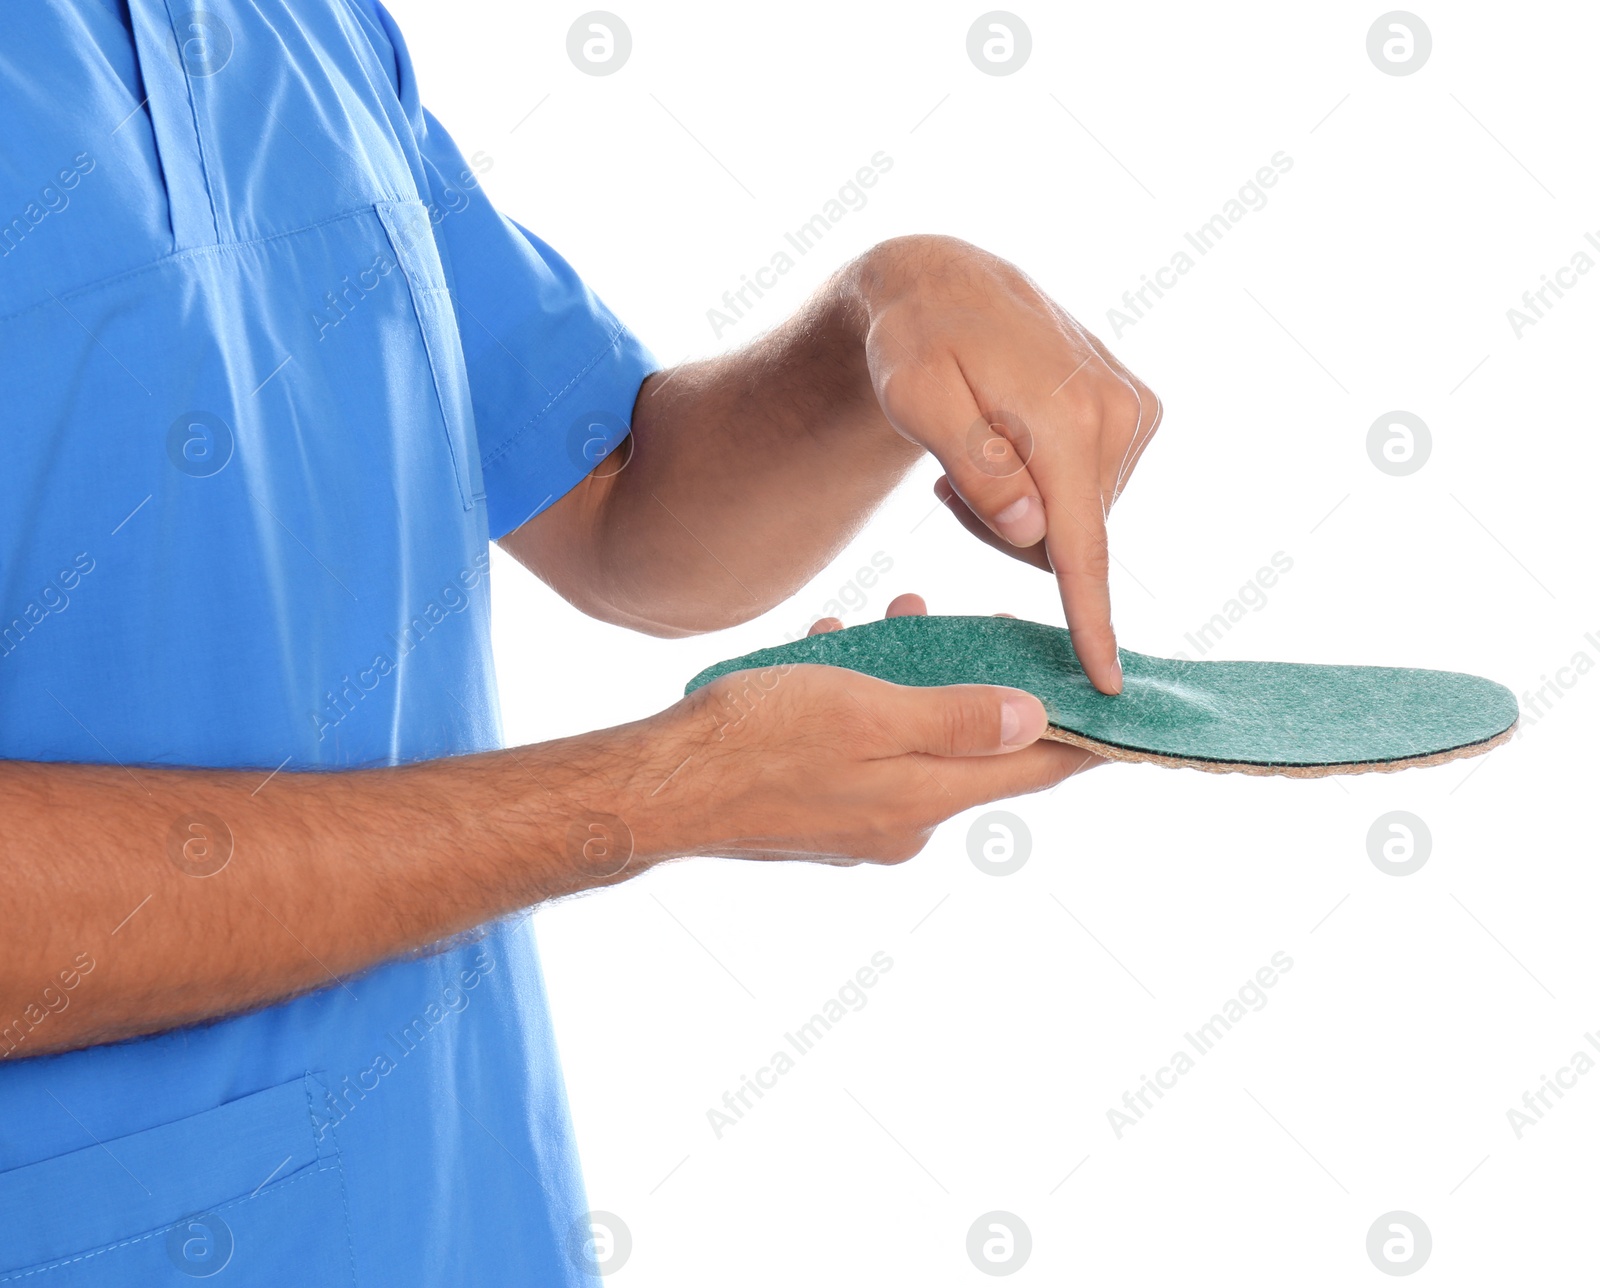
(338, 1158)
(127, 1243)
(460, 459)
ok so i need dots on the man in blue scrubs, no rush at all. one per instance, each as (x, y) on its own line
(275, 374)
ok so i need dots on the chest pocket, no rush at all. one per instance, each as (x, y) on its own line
(274, 118)
(409, 229)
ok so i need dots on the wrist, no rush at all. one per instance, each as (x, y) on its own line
(834, 341)
(612, 804)
(895, 269)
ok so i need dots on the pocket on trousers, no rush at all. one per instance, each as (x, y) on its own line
(246, 1192)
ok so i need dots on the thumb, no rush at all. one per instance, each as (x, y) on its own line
(966, 719)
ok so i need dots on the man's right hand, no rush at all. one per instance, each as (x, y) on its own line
(248, 892)
(813, 762)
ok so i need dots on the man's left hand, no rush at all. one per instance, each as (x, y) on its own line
(1036, 423)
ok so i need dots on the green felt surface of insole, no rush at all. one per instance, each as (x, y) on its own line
(1279, 715)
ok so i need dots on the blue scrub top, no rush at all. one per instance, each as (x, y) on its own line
(275, 373)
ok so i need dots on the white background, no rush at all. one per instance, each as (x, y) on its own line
(1418, 210)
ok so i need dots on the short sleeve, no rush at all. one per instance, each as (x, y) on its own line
(553, 373)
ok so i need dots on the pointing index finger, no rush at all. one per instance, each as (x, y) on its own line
(1081, 557)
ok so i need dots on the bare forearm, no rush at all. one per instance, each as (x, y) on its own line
(745, 475)
(139, 900)
(170, 896)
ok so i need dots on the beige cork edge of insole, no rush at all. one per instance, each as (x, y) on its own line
(1133, 756)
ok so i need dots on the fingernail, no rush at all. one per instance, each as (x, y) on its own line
(1023, 521)
(1014, 713)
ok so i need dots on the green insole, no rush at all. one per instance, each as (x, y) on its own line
(1253, 717)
